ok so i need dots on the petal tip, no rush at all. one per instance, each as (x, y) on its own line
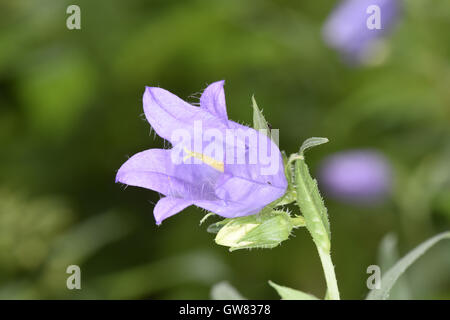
(117, 179)
(148, 90)
(121, 173)
(220, 83)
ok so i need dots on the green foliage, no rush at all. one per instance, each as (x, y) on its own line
(28, 228)
(225, 291)
(291, 294)
(259, 122)
(56, 93)
(310, 201)
(192, 267)
(387, 256)
(311, 143)
(391, 276)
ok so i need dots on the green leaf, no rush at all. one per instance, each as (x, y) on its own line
(391, 276)
(291, 294)
(225, 291)
(312, 142)
(259, 122)
(311, 204)
(387, 256)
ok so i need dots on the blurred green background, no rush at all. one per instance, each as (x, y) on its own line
(71, 114)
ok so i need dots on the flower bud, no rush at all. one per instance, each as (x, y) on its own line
(256, 231)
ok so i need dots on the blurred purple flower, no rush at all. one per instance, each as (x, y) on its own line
(224, 187)
(357, 176)
(347, 31)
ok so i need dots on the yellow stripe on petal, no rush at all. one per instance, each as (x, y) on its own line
(215, 164)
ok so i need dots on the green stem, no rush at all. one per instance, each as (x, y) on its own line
(298, 221)
(312, 207)
(330, 276)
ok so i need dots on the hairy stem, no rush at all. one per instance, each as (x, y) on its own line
(330, 276)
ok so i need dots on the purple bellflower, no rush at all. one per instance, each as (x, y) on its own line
(352, 30)
(356, 176)
(187, 174)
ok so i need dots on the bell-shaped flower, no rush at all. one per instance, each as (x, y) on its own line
(355, 27)
(215, 163)
(362, 176)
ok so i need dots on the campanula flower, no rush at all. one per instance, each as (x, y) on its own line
(356, 176)
(347, 28)
(215, 163)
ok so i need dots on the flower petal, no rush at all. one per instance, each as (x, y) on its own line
(238, 189)
(167, 113)
(213, 100)
(269, 167)
(154, 169)
(150, 169)
(245, 189)
(227, 209)
(168, 206)
(239, 197)
(245, 197)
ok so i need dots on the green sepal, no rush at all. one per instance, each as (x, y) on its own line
(259, 122)
(290, 195)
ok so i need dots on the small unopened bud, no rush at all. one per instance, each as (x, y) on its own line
(256, 231)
